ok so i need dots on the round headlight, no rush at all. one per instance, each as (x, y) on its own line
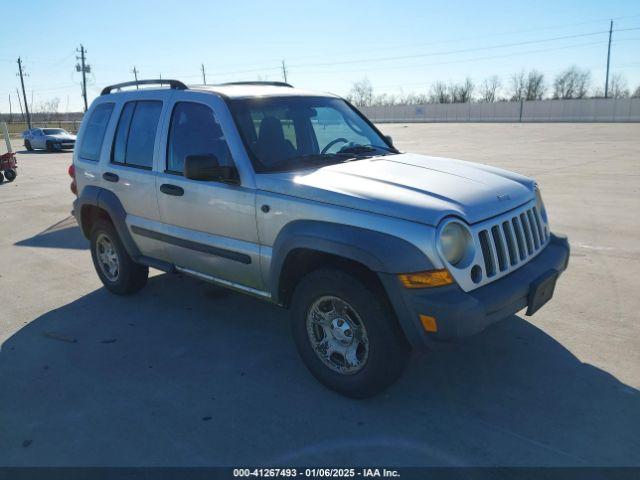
(540, 204)
(454, 241)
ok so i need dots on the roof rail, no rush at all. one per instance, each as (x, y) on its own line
(174, 84)
(257, 82)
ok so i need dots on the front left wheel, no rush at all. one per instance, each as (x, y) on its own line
(117, 270)
(347, 334)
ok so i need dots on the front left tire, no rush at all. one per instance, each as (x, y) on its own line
(27, 145)
(347, 334)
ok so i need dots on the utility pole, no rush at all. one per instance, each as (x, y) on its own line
(606, 82)
(20, 103)
(24, 93)
(284, 72)
(135, 74)
(84, 68)
(10, 110)
(204, 75)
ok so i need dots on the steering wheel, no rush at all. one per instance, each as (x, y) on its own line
(332, 143)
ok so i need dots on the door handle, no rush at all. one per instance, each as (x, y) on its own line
(110, 177)
(172, 190)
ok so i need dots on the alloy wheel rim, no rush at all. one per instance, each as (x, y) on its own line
(337, 335)
(107, 257)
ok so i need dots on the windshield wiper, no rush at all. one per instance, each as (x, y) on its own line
(360, 149)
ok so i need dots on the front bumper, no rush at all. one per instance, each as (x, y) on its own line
(461, 314)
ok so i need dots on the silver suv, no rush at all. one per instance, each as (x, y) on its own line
(296, 198)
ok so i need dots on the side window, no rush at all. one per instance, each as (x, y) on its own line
(136, 134)
(194, 131)
(94, 132)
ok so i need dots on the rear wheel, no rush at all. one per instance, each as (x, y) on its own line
(1, 177)
(117, 270)
(347, 336)
(10, 174)
(27, 145)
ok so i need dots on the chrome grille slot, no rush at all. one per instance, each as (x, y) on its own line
(517, 228)
(511, 244)
(487, 255)
(500, 247)
(527, 232)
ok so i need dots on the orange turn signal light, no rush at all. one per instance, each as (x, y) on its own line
(429, 323)
(427, 279)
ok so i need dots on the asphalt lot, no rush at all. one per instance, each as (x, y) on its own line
(189, 374)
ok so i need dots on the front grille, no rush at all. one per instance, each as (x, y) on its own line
(511, 241)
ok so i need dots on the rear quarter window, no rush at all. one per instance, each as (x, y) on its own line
(94, 132)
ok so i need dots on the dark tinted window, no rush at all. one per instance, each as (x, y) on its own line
(120, 141)
(94, 131)
(195, 131)
(136, 134)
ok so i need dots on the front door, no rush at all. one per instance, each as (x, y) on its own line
(210, 227)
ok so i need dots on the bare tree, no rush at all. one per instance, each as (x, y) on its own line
(572, 83)
(636, 93)
(618, 87)
(489, 89)
(534, 88)
(385, 99)
(361, 94)
(439, 93)
(461, 92)
(518, 86)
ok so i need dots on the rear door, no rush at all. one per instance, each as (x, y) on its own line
(210, 226)
(129, 171)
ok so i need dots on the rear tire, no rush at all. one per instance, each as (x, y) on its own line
(116, 269)
(27, 145)
(352, 314)
(1, 177)
(10, 174)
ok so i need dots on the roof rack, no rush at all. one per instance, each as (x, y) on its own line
(272, 84)
(174, 84)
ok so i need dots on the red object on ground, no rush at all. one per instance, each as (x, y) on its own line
(8, 161)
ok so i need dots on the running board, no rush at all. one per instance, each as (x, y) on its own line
(225, 283)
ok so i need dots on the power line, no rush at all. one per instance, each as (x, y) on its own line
(466, 50)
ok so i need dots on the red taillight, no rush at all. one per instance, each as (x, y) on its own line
(72, 174)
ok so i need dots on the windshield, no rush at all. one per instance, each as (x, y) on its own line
(290, 133)
(54, 131)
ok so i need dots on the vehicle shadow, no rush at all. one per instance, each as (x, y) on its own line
(184, 373)
(63, 234)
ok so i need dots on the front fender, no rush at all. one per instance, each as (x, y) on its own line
(379, 252)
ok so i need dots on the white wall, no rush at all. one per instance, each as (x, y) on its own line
(584, 110)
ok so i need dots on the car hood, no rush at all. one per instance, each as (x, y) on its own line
(61, 137)
(413, 187)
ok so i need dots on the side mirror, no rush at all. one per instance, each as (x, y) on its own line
(389, 139)
(206, 167)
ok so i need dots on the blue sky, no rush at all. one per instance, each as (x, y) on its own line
(401, 46)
